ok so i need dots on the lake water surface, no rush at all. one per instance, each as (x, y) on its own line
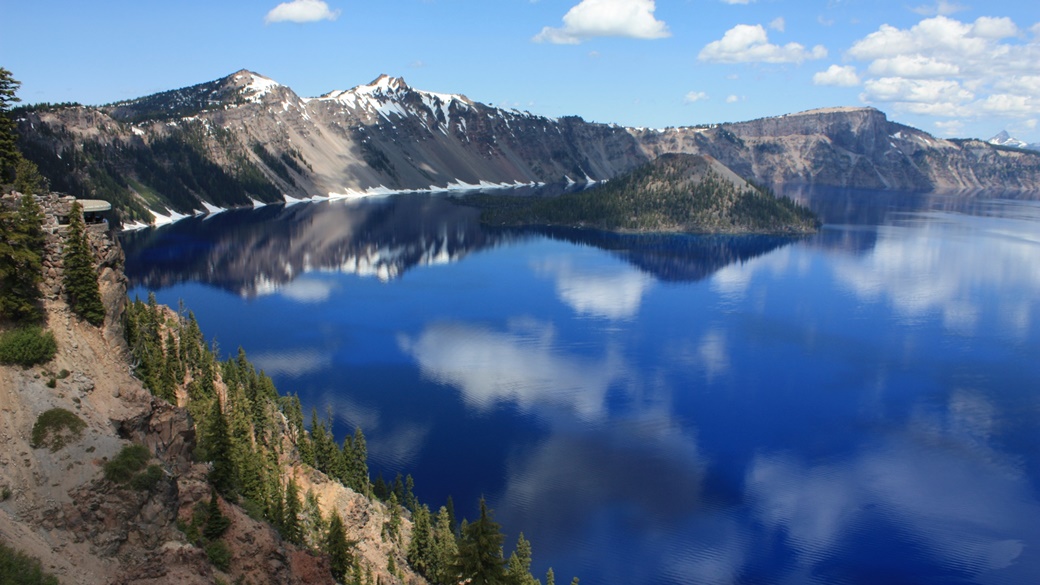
(859, 406)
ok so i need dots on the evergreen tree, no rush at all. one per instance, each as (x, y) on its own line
(480, 551)
(216, 522)
(27, 177)
(9, 154)
(293, 528)
(519, 571)
(357, 464)
(392, 527)
(421, 547)
(21, 261)
(449, 506)
(446, 549)
(80, 277)
(550, 577)
(338, 548)
(222, 476)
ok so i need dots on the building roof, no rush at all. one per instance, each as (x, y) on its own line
(94, 205)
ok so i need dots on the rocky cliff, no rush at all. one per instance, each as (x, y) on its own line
(246, 138)
(56, 504)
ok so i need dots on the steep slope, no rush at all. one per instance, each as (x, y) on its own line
(58, 505)
(246, 138)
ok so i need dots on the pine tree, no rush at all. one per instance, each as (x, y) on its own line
(449, 506)
(550, 577)
(338, 548)
(446, 549)
(293, 528)
(392, 527)
(216, 522)
(9, 154)
(223, 475)
(80, 277)
(421, 549)
(27, 177)
(21, 262)
(480, 551)
(519, 571)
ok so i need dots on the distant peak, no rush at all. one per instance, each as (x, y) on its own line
(388, 82)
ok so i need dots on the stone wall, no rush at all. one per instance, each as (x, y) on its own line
(108, 257)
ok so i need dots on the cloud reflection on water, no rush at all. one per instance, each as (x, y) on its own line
(613, 292)
(523, 364)
(936, 483)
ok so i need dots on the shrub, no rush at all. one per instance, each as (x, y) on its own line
(147, 480)
(17, 567)
(55, 428)
(127, 463)
(27, 346)
(219, 554)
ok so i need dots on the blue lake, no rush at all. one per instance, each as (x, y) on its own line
(859, 406)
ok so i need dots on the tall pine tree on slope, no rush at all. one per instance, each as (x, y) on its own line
(80, 277)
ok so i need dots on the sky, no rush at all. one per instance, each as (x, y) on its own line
(955, 68)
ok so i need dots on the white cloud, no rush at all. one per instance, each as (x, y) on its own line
(737, 1)
(941, 8)
(747, 43)
(778, 24)
(733, 98)
(945, 67)
(606, 18)
(837, 75)
(301, 11)
(695, 96)
(916, 66)
(995, 28)
(950, 127)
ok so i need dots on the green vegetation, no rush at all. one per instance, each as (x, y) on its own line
(673, 193)
(244, 431)
(80, 276)
(56, 428)
(124, 466)
(17, 568)
(15, 169)
(27, 346)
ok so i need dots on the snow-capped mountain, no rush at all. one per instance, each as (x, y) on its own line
(1005, 139)
(246, 138)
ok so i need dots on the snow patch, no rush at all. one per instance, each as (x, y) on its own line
(210, 208)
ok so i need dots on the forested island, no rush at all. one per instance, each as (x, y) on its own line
(673, 193)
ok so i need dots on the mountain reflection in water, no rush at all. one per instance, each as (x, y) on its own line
(253, 252)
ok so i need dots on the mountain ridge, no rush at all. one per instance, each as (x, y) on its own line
(245, 138)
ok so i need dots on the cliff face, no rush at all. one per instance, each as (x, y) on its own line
(851, 147)
(85, 529)
(246, 137)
